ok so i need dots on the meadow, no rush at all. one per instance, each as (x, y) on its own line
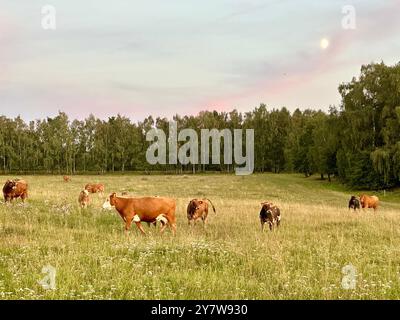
(230, 259)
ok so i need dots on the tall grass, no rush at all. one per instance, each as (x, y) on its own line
(230, 259)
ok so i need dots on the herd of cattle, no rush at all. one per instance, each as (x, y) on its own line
(162, 209)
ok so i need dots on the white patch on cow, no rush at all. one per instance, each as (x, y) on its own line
(86, 192)
(107, 205)
(136, 218)
(161, 218)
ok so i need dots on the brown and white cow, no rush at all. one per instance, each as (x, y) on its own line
(84, 199)
(146, 209)
(13, 189)
(67, 178)
(95, 187)
(369, 202)
(270, 214)
(198, 209)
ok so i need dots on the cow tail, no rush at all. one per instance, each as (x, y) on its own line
(212, 205)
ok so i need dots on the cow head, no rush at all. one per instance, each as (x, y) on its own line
(86, 192)
(10, 185)
(110, 201)
(362, 200)
(199, 203)
(196, 204)
(267, 205)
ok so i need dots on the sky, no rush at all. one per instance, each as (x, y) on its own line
(161, 58)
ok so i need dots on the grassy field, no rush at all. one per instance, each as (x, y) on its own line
(230, 259)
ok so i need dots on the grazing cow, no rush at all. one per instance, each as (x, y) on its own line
(67, 178)
(369, 202)
(15, 189)
(154, 223)
(354, 203)
(84, 199)
(198, 208)
(95, 188)
(147, 209)
(270, 214)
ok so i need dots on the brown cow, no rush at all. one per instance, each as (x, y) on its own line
(84, 199)
(125, 194)
(95, 188)
(147, 209)
(15, 189)
(67, 178)
(270, 214)
(198, 208)
(369, 202)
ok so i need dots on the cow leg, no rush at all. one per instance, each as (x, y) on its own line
(163, 228)
(262, 222)
(140, 227)
(204, 222)
(128, 222)
(271, 226)
(164, 225)
(191, 223)
(171, 223)
(205, 215)
(173, 228)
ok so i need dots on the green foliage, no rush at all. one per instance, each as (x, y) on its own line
(370, 127)
(359, 142)
(357, 171)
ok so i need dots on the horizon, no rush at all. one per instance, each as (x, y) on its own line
(162, 59)
(155, 116)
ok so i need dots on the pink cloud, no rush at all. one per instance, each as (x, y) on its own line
(305, 68)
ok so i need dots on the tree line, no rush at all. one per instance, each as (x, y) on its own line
(358, 142)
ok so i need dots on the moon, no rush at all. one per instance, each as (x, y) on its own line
(324, 43)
